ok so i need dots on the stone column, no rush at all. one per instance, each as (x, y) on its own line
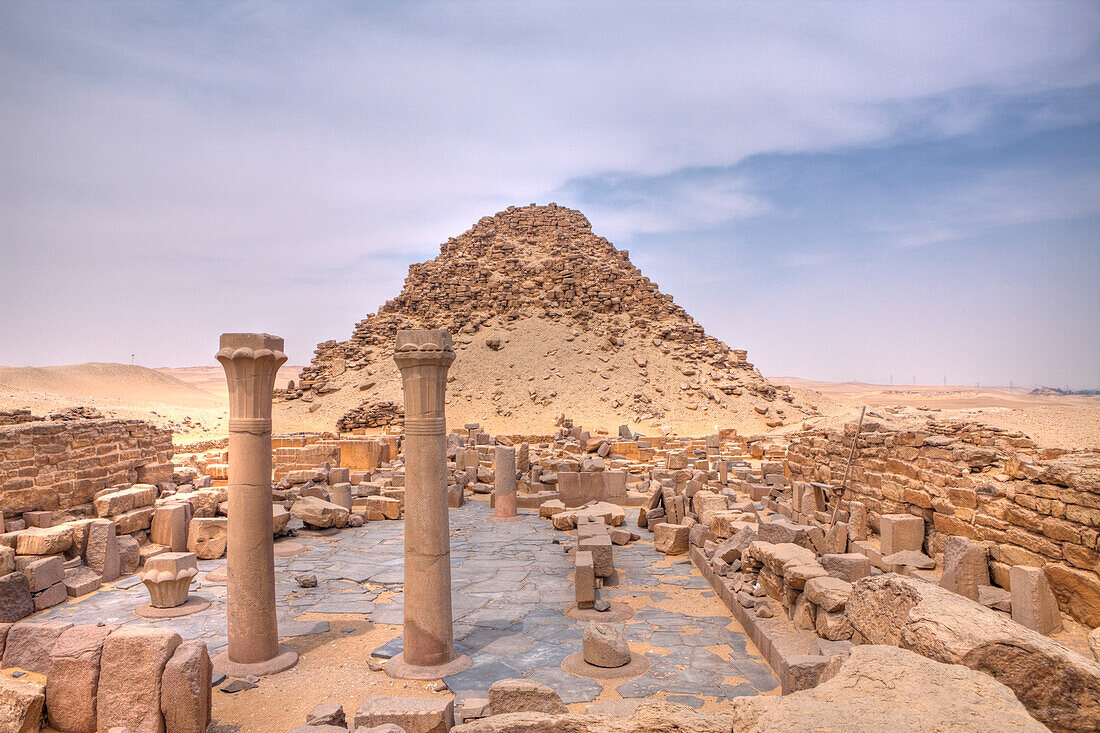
(251, 361)
(423, 358)
(504, 482)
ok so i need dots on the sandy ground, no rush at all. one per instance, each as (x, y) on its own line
(192, 400)
(1071, 422)
(544, 369)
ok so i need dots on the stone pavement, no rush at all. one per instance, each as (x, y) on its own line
(509, 593)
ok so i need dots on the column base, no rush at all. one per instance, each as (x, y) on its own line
(512, 518)
(400, 669)
(284, 660)
(193, 604)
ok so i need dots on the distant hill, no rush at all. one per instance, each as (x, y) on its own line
(1052, 391)
(107, 381)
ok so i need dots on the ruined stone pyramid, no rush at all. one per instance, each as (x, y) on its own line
(548, 319)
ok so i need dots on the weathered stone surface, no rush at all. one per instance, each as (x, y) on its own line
(828, 593)
(965, 566)
(941, 625)
(777, 533)
(413, 714)
(73, 681)
(671, 539)
(21, 702)
(901, 532)
(910, 558)
(648, 717)
(207, 537)
(280, 517)
(731, 549)
(883, 688)
(833, 626)
(1077, 591)
(320, 513)
(129, 554)
(15, 597)
(29, 645)
(80, 581)
(603, 645)
(101, 553)
(850, 566)
(130, 673)
(41, 574)
(44, 540)
(327, 713)
(185, 699)
(1033, 603)
(523, 696)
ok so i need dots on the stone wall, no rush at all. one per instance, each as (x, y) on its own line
(1033, 507)
(60, 465)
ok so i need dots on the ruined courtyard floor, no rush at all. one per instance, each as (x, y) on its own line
(511, 587)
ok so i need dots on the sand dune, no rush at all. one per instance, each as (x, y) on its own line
(107, 381)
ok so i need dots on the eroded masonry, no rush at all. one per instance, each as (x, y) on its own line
(432, 574)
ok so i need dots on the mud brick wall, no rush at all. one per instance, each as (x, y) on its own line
(1032, 507)
(60, 465)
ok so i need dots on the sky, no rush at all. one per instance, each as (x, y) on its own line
(851, 191)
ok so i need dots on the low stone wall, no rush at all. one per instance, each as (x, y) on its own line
(1033, 507)
(60, 465)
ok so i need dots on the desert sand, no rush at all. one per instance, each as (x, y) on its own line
(192, 400)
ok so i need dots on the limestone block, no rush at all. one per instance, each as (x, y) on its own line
(169, 526)
(280, 517)
(828, 593)
(41, 574)
(207, 538)
(44, 540)
(21, 703)
(901, 532)
(50, 597)
(947, 627)
(413, 714)
(73, 681)
(16, 601)
(833, 626)
(671, 539)
(522, 696)
(803, 613)
(80, 581)
(1033, 603)
(130, 672)
(7, 560)
(965, 566)
(327, 713)
(731, 549)
(29, 645)
(600, 546)
(584, 575)
(603, 645)
(340, 494)
(883, 688)
(319, 513)
(383, 507)
(101, 554)
(134, 520)
(185, 699)
(850, 566)
(129, 554)
(168, 576)
(777, 532)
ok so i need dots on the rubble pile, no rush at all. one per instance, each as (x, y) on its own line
(498, 288)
